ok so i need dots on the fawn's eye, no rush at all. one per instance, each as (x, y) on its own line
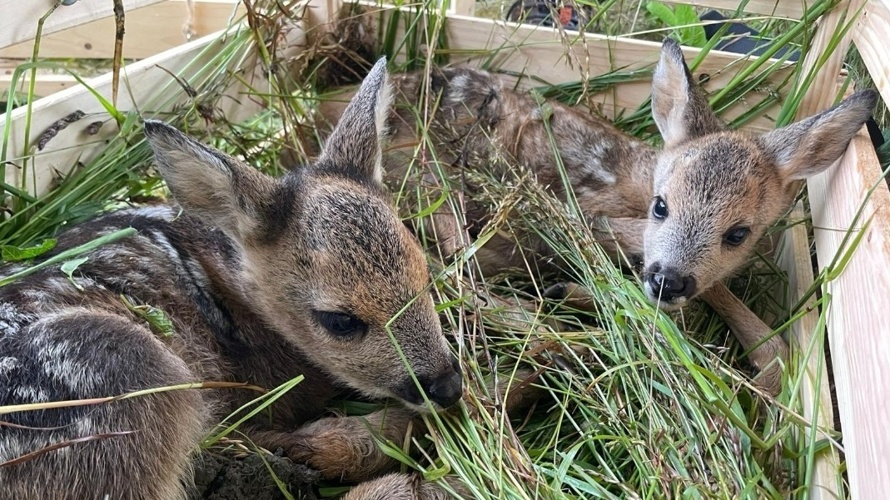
(659, 208)
(341, 324)
(735, 236)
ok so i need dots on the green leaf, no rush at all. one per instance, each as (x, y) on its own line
(663, 13)
(68, 267)
(67, 254)
(11, 253)
(683, 19)
(156, 318)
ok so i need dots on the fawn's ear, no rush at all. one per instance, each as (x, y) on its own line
(354, 148)
(679, 108)
(208, 183)
(810, 146)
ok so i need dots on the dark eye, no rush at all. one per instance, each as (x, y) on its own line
(659, 208)
(735, 237)
(341, 324)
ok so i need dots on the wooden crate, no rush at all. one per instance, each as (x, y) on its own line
(861, 355)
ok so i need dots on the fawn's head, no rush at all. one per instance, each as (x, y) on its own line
(325, 259)
(716, 191)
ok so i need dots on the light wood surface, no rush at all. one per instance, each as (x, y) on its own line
(149, 30)
(532, 50)
(870, 37)
(807, 348)
(19, 20)
(792, 9)
(142, 83)
(858, 333)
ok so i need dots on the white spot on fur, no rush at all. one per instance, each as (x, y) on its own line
(53, 352)
(593, 166)
(159, 212)
(11, 319)
(31, 394)
(456, 88)
(8, 364)
(161, 240)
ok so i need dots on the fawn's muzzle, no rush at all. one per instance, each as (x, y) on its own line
(667, 285)
(444, 389)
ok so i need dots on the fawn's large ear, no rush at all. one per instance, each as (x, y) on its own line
(679, 108)
(810, 146)
(354, 147)
(209, 183)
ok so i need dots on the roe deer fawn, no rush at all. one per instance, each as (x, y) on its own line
(263, 279)
(692, 211)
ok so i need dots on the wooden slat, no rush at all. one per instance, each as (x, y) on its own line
(144, 80)
(149, 30)
(539, 51)
(814, 391)
(46, 84)
(793, 9)
(19, 20)
(822, 92)
(870, 37)
(858, 331)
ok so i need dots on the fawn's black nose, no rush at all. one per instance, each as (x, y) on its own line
(444, 389)
(447, 390)
(668, 284)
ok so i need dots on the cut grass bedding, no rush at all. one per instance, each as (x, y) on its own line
(636, 403)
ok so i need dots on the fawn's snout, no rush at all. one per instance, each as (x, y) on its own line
(444, 389)
(668, 286)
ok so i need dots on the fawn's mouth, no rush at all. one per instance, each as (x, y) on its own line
(442, 391)
(666, 303)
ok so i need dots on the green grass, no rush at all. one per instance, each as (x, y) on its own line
(637, 403)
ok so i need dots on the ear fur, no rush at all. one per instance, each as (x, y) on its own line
(679, 108)
(209, 183)
(810, 146)
(354, 147)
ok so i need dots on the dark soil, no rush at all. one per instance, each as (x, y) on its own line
(220, 477)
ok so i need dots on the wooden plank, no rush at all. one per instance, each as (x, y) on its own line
(822, 92)
(869, 37)
(155, 92)
(19, 20)
(46, 83)
(463, 7)
(858, 338)
(792, 9)
(149, 30)
(807, 350)
(533, 50)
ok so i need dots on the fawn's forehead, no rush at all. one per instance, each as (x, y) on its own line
(720, 169)
(354, 225)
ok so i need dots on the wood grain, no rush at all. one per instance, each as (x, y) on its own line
(19, 20)
(792, 9)
(807, 348)
(858, 332)
(823, 90)
(148, 89)
(149, 30)
(532, 50)
(870, 37)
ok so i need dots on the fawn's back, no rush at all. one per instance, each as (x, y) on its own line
(262, 279)
(692, 211)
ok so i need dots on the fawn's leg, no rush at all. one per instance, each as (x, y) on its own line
(397, 487)
(343, 448)
(83, 355)
(746, 326)
(751, 331)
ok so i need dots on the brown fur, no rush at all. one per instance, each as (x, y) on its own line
(715, 183)
(263, 280)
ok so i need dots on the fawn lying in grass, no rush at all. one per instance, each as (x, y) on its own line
(692, 212)
(263, 279)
